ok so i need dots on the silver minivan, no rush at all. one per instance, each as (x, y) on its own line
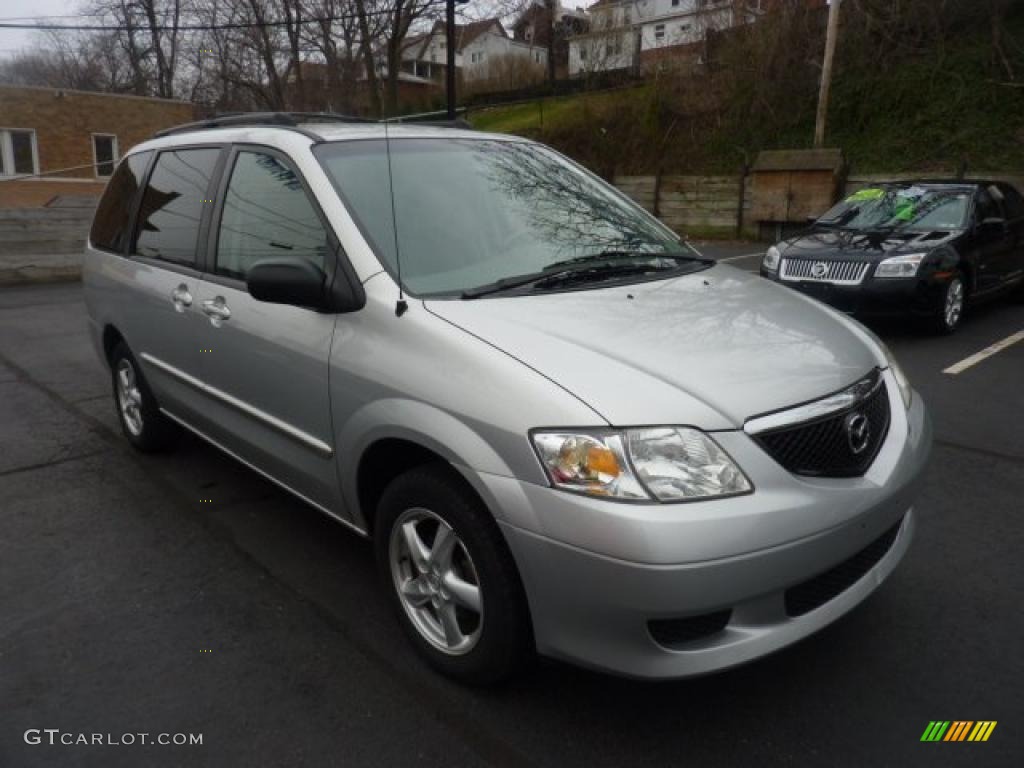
(564, 430)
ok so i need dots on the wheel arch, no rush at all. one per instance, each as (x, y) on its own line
(389, 437)
(109, 340)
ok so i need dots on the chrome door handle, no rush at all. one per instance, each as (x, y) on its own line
(217, 310)
(181, 298)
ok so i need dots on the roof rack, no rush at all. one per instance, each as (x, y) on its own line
(282, 119)
(437, 119)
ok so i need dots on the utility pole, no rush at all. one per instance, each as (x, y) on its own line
(552, 7)
(450, 69)
(826, 73)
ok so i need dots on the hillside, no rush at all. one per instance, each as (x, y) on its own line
(930, 106)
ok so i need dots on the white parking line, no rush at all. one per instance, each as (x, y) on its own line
(986, 353)
(744, 256)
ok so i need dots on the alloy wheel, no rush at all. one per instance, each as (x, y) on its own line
(436, 581)
(129, 397)
(954, 306)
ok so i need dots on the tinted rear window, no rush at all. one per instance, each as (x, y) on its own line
(172, 206)
(110, 225)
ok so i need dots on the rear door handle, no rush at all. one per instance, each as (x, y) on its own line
(181, 298)
(217, 310)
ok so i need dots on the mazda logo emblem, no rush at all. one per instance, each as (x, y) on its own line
(819, 270)
(858, 432)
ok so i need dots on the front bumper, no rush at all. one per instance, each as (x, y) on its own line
(919, 296)
(597, 573)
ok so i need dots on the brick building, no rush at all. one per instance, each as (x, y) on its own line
(66, 142)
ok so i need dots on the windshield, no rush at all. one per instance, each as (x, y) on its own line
(915, 207)
(470, 212)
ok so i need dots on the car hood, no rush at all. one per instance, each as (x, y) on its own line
(832, 243)
(710, 349)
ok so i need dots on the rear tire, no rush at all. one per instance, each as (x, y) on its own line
(954, 302)
(451, 578)
(146, 428)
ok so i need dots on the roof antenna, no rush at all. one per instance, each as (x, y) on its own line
(401, 306)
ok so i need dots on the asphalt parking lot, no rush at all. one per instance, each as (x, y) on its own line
(128, 605)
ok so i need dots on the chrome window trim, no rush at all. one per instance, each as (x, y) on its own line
(816, 409)
(295, 433)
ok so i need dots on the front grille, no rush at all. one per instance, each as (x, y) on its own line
(673, 632)
(829, 271)
(824, 447)
(814, 593)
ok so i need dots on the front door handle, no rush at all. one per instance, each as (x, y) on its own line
(181, 298)
(217, 310)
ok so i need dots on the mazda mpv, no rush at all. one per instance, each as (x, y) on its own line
(563, 429)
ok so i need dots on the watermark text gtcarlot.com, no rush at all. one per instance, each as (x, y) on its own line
(55, 736)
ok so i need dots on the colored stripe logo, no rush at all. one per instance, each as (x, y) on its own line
(958, 730)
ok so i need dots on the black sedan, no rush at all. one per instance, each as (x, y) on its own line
(926, 249)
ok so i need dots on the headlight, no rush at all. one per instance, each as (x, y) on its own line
(900, 266)
(771, 259)
(906, 391)
(663, 463)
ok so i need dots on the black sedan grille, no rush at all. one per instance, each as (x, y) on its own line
(814, 593)
(825, 270)
(824, 448)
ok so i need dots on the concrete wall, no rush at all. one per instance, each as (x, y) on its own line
(43, 243)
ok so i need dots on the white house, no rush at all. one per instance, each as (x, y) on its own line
(625, 33)
(484, 51)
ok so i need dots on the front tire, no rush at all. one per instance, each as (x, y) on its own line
(451, 578)
(954, 301)
(146, 428)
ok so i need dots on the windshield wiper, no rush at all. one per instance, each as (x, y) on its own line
(582, 269)
(616, 256)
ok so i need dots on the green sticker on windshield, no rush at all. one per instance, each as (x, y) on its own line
(904, 210)
(871, 193)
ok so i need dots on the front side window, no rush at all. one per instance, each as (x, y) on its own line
(266, 215)
(110, 224)
(987, 207)
(473, 211)
(104, 147)
(17, 152)
(173, 203)
(1012, 202)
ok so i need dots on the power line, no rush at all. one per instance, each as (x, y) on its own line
(199, 27)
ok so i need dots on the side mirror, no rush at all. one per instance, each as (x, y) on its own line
(287, 281)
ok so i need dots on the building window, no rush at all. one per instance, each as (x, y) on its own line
(528, 34)
(104, 153)
(659, 31)
(18, 152)
(583, 54)
(675, 3)
(626, 15)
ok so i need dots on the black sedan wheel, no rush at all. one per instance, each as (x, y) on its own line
(954, 300)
